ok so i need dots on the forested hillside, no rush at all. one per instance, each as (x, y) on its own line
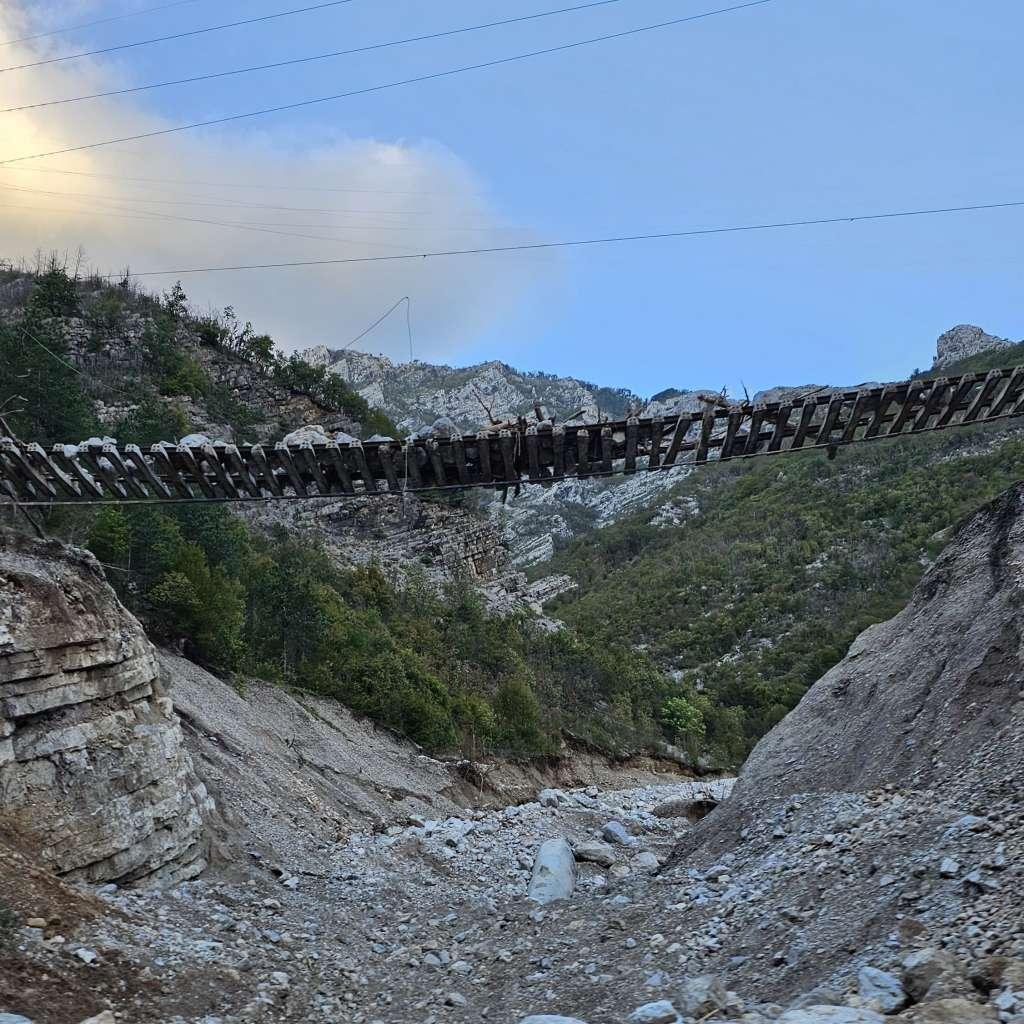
(273, 604)
(752, 579)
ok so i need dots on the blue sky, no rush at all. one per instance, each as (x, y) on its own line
(797, 109)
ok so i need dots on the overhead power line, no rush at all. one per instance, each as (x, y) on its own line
(98, 21)
(608, 240)
(388, 85)
(216, 184)
(176, 35)
(315, 57)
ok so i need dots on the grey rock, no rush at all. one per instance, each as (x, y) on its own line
(554, 872)
(615, 832)
(924, 967)
(550, 1018)
(661, 1012)
(963, 341)
(881, 990)
(949, 868)
(701, 995)
(13, 1018)
(831, 1015)
(595, 853)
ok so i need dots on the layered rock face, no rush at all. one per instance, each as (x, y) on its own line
(91, 759)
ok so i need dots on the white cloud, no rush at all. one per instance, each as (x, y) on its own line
(152, 224)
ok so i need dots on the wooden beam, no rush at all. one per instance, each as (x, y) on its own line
(606, 450)
(707, 423)
(388, 466)
(266, 470)
(781, 423)
(436, 463)
(283, 457)
(336, 459)
(483, 456)
(64, 482)
(224, 480)
(885, 399)
(508, 456)
(458, 446)
(162, 459)
(533, 453)
(984, 397)
(582, 453)
(632, 433)
(683, 425)
(654, 457)
(309, 456)
(558, 452)
(241, 470)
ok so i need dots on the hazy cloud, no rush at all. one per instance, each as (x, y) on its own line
(347, 198)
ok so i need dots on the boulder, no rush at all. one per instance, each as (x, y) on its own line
(550, 1018)
(661, 1012)
(554, 872)
(924, 967)
(949, 1011)
(702, 995)
(831, 1015)
(880, 990)
(615, 832)
(595, 853)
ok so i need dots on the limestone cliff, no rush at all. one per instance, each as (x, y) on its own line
(92, 766)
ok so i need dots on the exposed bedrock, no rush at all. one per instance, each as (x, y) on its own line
(92, 766)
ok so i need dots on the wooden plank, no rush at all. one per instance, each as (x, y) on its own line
(283, 457)
(241, 470)
(856, 415)
(683, 425)
(558, 452)
(166, 466)
(907, 409)
(654, 457)
(804, 427)
(359, 455)
(931, 403)
(582, 453)
(126, 472)
(63, 482)
(387, 464)
(224, 479)
(606, 450)
(311, 461)
(632, 434)
(266, 470)
(835, 408)
(707, 424)
(192, 469)
(885, 399)
(732, 425)
(412, 466)
(483, 456)
(983, 397)
(94, 459)
(958, 400)
(782, 415)
(1008, 395)
(336, 460)
(43, 488)
(437, 463)
(753, 438)
(533, 453)
(508, 456)
(458, 446)
(89, 487)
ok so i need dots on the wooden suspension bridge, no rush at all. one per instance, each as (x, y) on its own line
(541, 453)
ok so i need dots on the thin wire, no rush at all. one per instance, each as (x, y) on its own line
(71, 366)
(310, 59)
(377, 323)
(99, 21)
(176, 35)
(612, 239)
(215, 184)
(388, 85)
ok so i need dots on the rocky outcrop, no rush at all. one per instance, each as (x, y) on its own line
(91, 760)
(963, 341)
(415, 394)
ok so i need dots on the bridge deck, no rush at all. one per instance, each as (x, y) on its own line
(501, 458)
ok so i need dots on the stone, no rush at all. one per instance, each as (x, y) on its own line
(645, 861)
(615, 832)
(702, 995)
(554, 872)
(661, 1012)
(87, 956)
(923, 967)
(881, 990)
(963, 341)
(550, 797)
(13, 1018)
(949, 1011)
(831, 1015)
(106, 1017)
(949, 868)
(550, 1018)
(595, 853)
